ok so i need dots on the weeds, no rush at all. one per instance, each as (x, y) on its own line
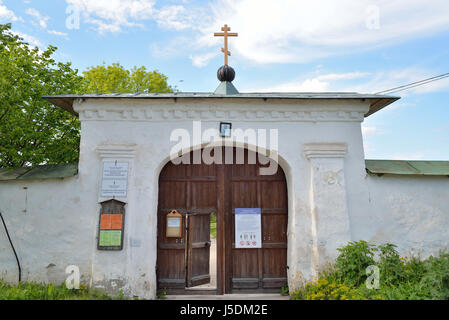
(39, 291)
(400, 278)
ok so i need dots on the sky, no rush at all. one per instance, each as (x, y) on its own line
(361, 46)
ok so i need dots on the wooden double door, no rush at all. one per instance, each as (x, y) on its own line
(198, 190)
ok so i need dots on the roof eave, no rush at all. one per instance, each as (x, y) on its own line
(378, 104)
(66, 101)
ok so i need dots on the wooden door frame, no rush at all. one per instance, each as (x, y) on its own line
(220, 266)
(220, 252)
(227, 233)
(224, 231)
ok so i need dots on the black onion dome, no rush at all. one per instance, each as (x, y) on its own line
(225, 73)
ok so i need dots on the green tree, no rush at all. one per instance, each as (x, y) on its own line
(116, 79)
(32, 131)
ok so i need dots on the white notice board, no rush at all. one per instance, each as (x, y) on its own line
(114, 181)
(248, 228)
(174, 222)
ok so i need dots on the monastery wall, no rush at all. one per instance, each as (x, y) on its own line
(48, 228)
(409, 211)
(331, 199)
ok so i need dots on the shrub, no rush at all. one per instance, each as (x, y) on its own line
(414, 269)
(436, 277)
(325, 290)
(400, 278)
(405, 291)
(353, 260)
(390, 265)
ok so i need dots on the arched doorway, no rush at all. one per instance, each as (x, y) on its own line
(197, 191)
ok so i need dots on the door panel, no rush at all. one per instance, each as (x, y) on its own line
(261, 269)
(171, 258)
(204, 195)
(191, 190)
(198, 247)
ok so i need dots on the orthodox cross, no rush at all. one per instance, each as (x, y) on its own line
(225, 34)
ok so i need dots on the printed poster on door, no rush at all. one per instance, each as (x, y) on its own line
(248, 230)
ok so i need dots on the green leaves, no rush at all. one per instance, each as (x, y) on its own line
(32, 131)
(116, 79)
(41, 291)
(436, 277)
(390, 264)
(401, 278)
(353, 260)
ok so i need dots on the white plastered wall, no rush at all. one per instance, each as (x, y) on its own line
(49, 227)
(411, 212)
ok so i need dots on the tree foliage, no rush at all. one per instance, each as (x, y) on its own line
(32, 130)
(116, 79)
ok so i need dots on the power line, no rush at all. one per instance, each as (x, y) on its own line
(417, 85)
(414, 84)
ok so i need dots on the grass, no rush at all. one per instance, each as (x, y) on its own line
(213, 225)
(39, 291)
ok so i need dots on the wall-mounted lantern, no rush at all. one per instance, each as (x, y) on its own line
(225, 129)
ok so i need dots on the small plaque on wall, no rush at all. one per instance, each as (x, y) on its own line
(114, 181)
(111, 226)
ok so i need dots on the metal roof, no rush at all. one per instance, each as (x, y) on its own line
(53, 171)
(226, 88)
(408, 167)
(377, 101)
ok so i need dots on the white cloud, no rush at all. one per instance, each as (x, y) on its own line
(182, 17)
(27, 38)
(318, 83)
(281, 31)
(42, 20)
(383, 80)
(174, 17)
(6, 14)
(113, 15)
(202, 60)
(170, 48)
(369, 131)
(285, 31)
(57, 33)
(439, 85)
(366, 82)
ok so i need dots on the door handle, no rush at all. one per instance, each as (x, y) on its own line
(207, 244)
